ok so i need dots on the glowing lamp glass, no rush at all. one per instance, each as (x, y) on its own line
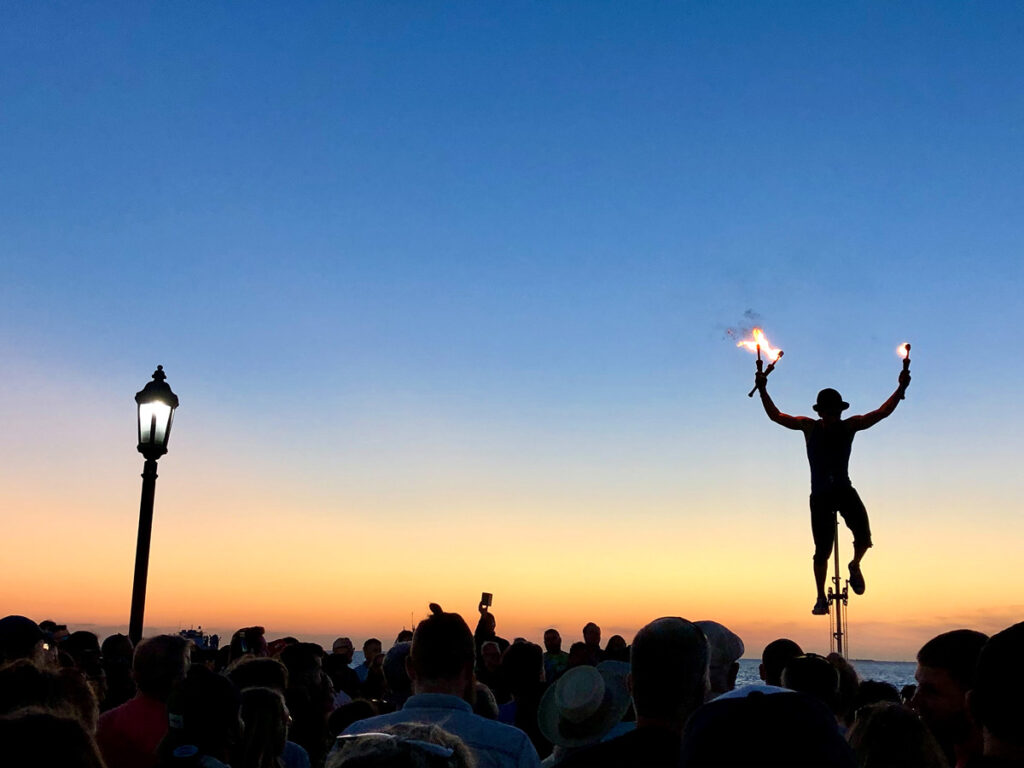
(154, 423)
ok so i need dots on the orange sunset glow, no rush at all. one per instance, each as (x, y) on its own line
(471, 299)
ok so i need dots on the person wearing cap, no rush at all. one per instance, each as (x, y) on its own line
(21, 638)
(829, 440)
(337, 665)
(668, 678)
(725, 648)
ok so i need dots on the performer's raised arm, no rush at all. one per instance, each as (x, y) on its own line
(790, 422)
(886, 409)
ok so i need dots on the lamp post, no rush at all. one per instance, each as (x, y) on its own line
(156, 404)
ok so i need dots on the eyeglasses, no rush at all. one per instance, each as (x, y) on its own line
(427, 746)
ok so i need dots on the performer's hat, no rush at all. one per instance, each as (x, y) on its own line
(830, 400)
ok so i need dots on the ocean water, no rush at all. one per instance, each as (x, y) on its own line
(898, 673)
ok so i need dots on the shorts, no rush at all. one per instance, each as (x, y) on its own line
(848, 504)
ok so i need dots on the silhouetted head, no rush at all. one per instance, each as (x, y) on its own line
(372, 648)
(669, 669)
(616, 649)
(248, 640)
(830, 403)
(343, 647)
(849, 683)
(395, 673)
(875, 692)
(945, 672)
(552, 641)
(20, 638)
(83, 647)
(64, 692)
(305, 665)
(117, 649)
(265, 727)
(996, 699)
(725, 649)
(442, 650)
(812, 674)
(887, 733)
(405, 636)
(578, 654)
(159, 663)
(487, 623)
(592, 635)
(257, 672)
(490, 655)
(522, 666)
(775, 657)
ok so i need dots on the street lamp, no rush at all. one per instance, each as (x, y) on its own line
(156, 412)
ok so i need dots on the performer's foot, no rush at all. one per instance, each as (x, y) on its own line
(856, 579)
(821, 607)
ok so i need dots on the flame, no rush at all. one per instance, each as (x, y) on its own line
(903, 350)
(759, 340)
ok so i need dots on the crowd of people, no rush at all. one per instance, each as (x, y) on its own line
(447, 696)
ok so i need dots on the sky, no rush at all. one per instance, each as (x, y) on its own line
(444, 290)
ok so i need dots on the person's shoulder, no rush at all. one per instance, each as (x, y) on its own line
(136, 708)
(485, 724)
(294, 756)
(501, 737)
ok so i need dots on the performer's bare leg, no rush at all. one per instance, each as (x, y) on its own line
(856, 577)
(820, 572)
(858, 553)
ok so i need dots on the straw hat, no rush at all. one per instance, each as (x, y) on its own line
(582, 706)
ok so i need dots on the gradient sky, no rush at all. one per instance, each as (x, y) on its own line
(443, 289)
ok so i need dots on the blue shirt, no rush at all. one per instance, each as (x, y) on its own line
(494, 744)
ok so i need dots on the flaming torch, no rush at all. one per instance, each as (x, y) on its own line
(904, 351)
(758, 343)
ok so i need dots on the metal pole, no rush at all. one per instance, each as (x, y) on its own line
(142, 551)
(838, 595)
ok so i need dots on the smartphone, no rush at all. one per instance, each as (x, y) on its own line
(486, 598)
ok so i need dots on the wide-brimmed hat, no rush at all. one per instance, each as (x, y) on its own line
(582, 706)
(830, 400)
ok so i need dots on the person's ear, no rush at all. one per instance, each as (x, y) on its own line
(409, 670)
(733, 671)
(760, 672)
(971, 703)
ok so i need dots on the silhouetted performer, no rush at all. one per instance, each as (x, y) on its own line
(829, 440)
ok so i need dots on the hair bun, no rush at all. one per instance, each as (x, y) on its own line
(436, 609)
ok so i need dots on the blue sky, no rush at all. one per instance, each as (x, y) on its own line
(509, 236)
